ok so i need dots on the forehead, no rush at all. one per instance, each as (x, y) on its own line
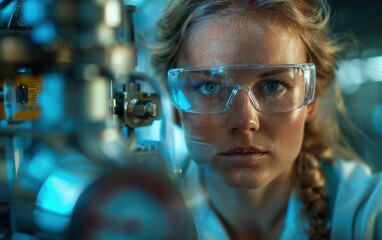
(241, 40)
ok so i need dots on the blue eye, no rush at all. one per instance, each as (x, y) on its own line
(208, 88)
(272, 86)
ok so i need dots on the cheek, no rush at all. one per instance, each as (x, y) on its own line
(201, 132)
(200, 127)
(288, 133)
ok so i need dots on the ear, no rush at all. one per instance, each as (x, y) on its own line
(312, 108)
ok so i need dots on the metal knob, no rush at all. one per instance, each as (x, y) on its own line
(145, 109)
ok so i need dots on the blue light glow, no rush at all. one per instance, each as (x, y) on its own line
(59, 193)
(51, 222)
(58, 197)
(52, 98)
(183, 101)
(352, 73)
(41, 164)
(44, 33)
(373, 68)
(136, 3)
(7, 12)
(377, 119)
(33, 12)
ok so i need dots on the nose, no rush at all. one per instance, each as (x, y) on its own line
(242, 115)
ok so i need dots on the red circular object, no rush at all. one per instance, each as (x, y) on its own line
(131, 204)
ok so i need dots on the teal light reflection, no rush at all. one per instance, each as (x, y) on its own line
(56, 200)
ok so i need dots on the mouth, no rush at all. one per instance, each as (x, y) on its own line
(244, 151)
(244, 156)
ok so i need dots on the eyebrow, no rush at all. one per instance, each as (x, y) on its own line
(208, 73)
(213, 74)
(274, 72)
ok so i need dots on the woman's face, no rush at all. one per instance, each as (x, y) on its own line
(243, 147)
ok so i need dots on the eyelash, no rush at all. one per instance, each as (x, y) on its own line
(283, 84)
(274, 81)
(203, 83)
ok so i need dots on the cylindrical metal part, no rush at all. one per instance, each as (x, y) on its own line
(87, 100)
(128, 23)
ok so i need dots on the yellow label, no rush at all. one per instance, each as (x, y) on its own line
(33, 85)
(34, 88)
(28, 110)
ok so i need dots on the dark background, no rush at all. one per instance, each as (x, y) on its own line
(362, 20)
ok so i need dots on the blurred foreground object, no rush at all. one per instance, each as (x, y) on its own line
(68, 87)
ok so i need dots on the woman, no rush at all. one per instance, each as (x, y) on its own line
(254, 86)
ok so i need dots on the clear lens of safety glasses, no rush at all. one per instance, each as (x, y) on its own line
(272, 88)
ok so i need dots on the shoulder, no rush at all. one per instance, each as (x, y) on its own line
(357, 209)
(352, 171)
(208, 224)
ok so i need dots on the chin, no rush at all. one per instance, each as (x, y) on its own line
(245, 179)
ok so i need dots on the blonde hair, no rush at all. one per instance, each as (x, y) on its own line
(309, 19)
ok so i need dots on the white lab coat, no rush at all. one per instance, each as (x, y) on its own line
(355, 208)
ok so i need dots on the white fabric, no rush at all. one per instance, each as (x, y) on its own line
(357, 209)
(358, 206)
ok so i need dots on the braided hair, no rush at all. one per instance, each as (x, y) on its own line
(310, 181)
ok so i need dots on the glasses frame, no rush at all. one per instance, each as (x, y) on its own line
(309, 70)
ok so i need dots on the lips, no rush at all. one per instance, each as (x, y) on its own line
(243, 156)
(244, 150)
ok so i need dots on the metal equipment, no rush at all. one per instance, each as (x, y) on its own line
(68, 90)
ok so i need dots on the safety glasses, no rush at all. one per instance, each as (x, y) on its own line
(270, 88)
